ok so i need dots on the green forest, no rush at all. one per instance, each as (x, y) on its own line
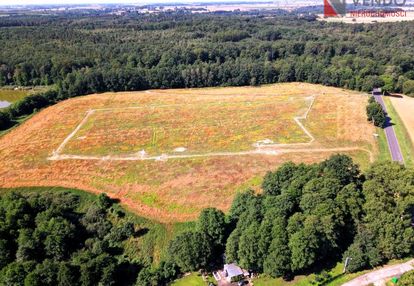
(46, 240)
(80, 54)
(307, 218)
(93, 54)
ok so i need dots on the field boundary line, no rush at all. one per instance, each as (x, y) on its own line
(304, 117)
(297, 119)
(67, 139)
(165, 157)
(260, 149)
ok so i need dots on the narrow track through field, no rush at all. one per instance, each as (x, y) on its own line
(261, 149)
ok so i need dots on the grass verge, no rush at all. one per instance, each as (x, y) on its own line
(191, 280)
(384, 151)
(194, 279)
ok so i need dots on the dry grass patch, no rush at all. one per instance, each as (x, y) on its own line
(177, 189)
(214, 125)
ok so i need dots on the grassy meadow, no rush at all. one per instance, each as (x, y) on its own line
(176, 190)
(201, 127)
(13, 95)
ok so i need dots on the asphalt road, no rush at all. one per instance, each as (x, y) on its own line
(393, 145)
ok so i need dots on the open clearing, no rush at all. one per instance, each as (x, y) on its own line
(166, 154)
(214, 125)
(12, 95)
(9, 95)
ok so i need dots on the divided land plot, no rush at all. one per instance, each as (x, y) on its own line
(167, 154)
(201, 124)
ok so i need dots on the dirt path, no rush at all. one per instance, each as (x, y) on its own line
(262, 149)
(377, 277)
(67, 139)
(304, 117)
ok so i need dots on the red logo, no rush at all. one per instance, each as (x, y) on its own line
(333, 8)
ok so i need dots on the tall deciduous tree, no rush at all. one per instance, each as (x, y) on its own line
(191, 251)
(212, 223)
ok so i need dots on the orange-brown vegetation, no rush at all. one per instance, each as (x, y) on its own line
(177, 189)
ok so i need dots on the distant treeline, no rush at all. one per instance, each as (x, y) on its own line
(82, 54)
(182, 50)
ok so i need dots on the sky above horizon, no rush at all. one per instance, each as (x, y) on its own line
(138, 2)
(40, 2)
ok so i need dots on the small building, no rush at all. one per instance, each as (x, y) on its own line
(376, 91)
(233, 272)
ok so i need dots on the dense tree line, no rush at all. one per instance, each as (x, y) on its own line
(375, 113)
(81, 54)
(182, 50)
(45, 240)
(308, 217)
(250, 50)
(9, 116)
(406, 279)
(385, 231)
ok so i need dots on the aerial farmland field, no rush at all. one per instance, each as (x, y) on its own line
(193, 125)
(167, 154)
